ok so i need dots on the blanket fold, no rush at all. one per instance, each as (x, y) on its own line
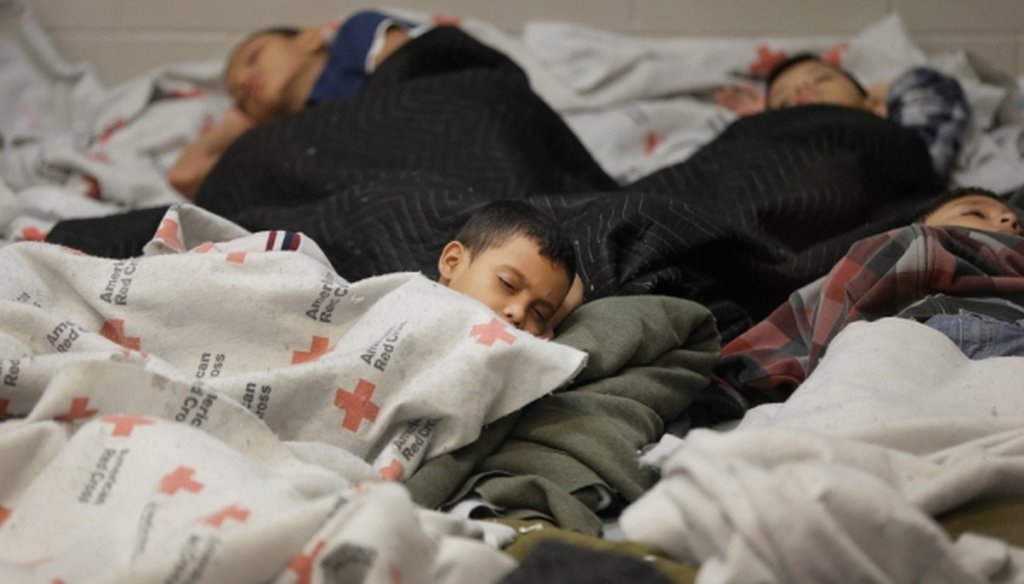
(574, 452)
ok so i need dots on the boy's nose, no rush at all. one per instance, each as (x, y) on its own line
(514, 315)
(1010, 221)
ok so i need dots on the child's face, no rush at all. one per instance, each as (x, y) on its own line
(262, 72)
(513, 279)
(813, 82)
(977, 211)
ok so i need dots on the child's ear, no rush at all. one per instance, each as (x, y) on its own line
(311, 39)
(452, 256)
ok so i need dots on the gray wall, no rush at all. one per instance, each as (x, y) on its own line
(126, 37)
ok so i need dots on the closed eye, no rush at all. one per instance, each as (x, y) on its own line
(506, 284)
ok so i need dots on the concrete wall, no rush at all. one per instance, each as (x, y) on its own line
(126, 37)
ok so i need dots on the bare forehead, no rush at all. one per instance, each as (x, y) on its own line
(978, 200)
(251, 42)
(803, 69)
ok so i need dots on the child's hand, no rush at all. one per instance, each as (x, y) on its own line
(743, 99)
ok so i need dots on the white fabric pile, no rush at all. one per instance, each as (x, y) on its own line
(839, 483)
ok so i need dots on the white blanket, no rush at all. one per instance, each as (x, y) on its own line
(839, 482)
(242, 362)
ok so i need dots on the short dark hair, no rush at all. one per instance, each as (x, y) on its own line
(798, 58)
(285, 31)
(288, 32)
(495, 223)
(957, 193)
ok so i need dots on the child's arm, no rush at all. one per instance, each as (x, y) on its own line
(199, 157)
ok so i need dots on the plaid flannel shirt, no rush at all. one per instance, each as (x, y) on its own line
(934, 105)
(880, 276)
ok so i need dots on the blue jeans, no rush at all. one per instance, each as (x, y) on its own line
(980, 336)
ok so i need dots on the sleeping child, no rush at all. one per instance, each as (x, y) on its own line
(929, 102)
(959, 269)
(277, 71)
(517, 261)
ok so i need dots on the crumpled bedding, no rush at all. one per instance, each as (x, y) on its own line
(571, 456)
(227, 408)
(392, 370)
(858, 461)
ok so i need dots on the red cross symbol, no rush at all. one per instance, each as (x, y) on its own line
(393, 471)
(113, 329)
(169, 233)
(651, 142)
(181, 478)
(302, 565)
(33, 234)
(236, 257)
(3, 408)
(4, 514)
(191, 91)
(835, 54)
(100, 156)
(94, 190)
(357, 405)
(114, 126)
(486, 334)
(767, 59)
(79, 411)
(446, 20)
(125, 425)
(204, 247)
(231, 512)
(317, 348)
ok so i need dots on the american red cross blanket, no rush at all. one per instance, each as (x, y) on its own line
(393, 369)
(202, 412)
